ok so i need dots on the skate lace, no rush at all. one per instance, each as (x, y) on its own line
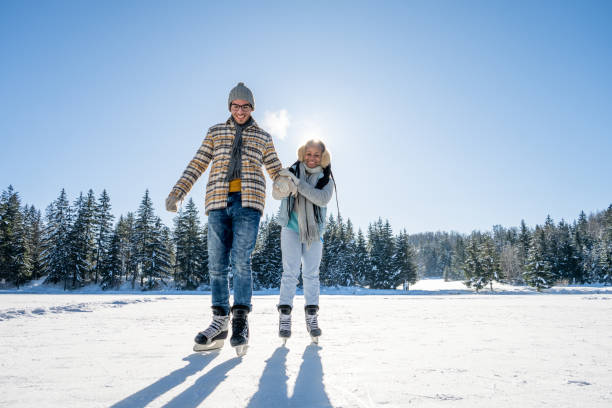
(285, 322)
(312, 322)
(217, 325)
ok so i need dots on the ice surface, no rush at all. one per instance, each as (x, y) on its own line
(438, 350)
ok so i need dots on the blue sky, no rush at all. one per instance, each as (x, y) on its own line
(440, 115)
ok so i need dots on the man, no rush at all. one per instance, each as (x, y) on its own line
(235, 199)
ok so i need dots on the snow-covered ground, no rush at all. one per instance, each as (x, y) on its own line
(442, 347)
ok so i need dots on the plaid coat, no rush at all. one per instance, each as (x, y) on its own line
(257, 151)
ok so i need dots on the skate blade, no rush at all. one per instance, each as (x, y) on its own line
(214, 345)
(284, 339)
(315, 339)
(241, 350)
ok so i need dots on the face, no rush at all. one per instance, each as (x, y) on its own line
(241, 110)
(312, 156)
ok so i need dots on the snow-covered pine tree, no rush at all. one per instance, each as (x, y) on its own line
(157, 267)
(382, 255)
(15, 267)
(471, 265)
(345, 269)
(129, 247)
(457, 260)
(103, 219)
(112, 266)
(143, 236)
(604, 268)
(82, 240)
(191, 267)
(267, 264)
(34, 237)
(361, 260)
(331, 247)
(489, 262)
(405, 267)
(567, 256)
(539, 271)
(524, 243)
(56, 243)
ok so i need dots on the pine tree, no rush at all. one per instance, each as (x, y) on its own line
(82, 240)
(405, 263)
(104, 233)
(361, 260)
(539, 270)
(381, 244)
(112, 266)
(267, 264)
(15, 264)
(191, 266)
(489, 262)
(331, 247)
(567, 258)
(524, 243)
(143, 237)
(34, 236)
(472, 265)
(56, 252)
(156, 267)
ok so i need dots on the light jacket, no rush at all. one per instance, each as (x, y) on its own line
(319, 197)
(257, 151)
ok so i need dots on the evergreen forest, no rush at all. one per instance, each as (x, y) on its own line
(81, 243)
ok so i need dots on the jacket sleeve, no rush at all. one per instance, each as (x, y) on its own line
(318, 197)
(271, 161)
(195, 168)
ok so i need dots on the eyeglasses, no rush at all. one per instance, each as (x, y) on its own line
(245, 108)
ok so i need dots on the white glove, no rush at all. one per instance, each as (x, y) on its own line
(171, 203)
(283, 187)
(287, 173)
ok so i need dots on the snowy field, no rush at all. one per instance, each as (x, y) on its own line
(447, 348)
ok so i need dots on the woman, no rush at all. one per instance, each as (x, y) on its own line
(305, 189)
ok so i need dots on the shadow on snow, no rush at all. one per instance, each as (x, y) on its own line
(309, 390)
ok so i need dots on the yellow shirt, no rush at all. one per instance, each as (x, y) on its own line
(235, 186)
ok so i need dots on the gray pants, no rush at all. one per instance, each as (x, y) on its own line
(295, 254)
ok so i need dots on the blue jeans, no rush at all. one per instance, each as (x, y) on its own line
(232, 233)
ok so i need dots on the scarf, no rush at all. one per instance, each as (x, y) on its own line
(305, 209)
(235, 167)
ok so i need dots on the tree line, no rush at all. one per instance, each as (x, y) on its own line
(78, 244)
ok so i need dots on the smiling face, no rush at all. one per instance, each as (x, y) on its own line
(312, 155)
(241, 110)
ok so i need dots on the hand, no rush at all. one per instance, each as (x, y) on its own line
(283, 187)
(171, 203)
(287, 173)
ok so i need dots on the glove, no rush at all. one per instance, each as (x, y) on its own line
(283, 187)
(171, 203)
(287, 173)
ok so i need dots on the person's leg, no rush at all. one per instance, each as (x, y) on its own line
(310, 271)
(291, 249)
(219, 245)
(245, 225)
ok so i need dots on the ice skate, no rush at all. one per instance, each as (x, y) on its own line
(312, 325)
(240, 330)
(284, 322)
(214, 336)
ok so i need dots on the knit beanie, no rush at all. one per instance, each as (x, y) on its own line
(240, 92)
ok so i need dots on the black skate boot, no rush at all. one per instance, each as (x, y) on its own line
(284, 322)
(214, 336)
(240, 329)
(312, 325)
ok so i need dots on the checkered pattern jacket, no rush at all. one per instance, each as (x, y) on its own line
(257, 151)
